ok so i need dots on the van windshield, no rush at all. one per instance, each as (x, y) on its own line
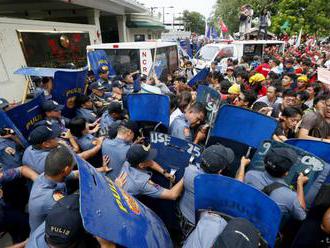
(207, 53)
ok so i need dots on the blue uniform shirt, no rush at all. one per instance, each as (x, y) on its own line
(187, 201)
(85, 142)
(106, 121)
(37, 238)
(8, 160)
(209, 227)
(87, 114)
(106, 84)
(285, 198)
(137, 182)
(42, 199)
(58, 126)
(9, 175)
(116, 149)
(180, 128)
(35, 158)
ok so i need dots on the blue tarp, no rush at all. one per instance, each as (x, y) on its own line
(231, 197)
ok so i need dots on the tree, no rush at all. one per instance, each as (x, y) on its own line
(193, 21)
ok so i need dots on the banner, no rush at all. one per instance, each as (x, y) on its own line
(112, 214)
(200, 76)
(236, 199)
(318, 148)
(149, 108)
(243, 125)
(6, 122)
(96, 58)
(323, 75)
(316, 177)
(67, 85)
(24, 116)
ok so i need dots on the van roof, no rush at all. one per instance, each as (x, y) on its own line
(222, 43)
(131, 45)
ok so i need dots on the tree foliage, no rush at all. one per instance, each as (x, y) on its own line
(313, 16)
(193, 21)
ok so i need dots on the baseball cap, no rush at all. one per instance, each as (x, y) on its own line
(239, 233)
(103, 68)
(302, 78)
(216, 157)
(97, 86)
(131, 125)
(51, 106)
(3, 103)
(257, 78)
(279, 160)
(117, 84)
(41, 134)
(115, 107)
(137, 154)
(234, 89)
(63, 225)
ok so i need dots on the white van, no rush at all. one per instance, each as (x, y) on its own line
(133, 56)
(220, 52)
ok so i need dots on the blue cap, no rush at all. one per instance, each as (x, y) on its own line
(41, 134)
(137, 154)
(51, 106)
(96, 85)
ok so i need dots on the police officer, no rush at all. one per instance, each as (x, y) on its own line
(114, 113)
(213, 231)
(214, 160)
(11, 150)
(99, 97)
(117, 148)
(128, 82)
(85, 108)
(139, 158)
(53, 112)
(49, 187)
(182, 126)
(104, 77)
(13, 219)
(62, 227)
(278, 162)
(42, 139)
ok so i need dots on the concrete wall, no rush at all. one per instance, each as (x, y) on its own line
(11, 54)
(155, 34)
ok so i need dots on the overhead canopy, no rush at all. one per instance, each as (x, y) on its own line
(145, 24)
(42, 72)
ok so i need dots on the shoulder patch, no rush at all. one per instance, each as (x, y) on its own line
(57, 195)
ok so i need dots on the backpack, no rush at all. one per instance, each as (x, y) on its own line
(271, 187)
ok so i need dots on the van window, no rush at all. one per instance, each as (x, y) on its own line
(207, 53)
(167, 58)
(123, 60)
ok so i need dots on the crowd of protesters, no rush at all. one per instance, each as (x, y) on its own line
(283, 86)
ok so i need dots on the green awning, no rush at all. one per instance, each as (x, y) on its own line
(144, 24)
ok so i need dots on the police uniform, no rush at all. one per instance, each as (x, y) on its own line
(128, 88)
(58, 125)
(180, 128)
(37, 238)
(86, 114)
(86, 142)
(10, 160)
(187, 201)
(285, 198)
(106, 121)
(209, 227)
(44, 194)
(138, 183)
(116, 149)
(35, 158)
(106, 84)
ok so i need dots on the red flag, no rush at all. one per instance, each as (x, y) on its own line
(223, 26)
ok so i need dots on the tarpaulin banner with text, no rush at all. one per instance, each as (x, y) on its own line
(97, 58)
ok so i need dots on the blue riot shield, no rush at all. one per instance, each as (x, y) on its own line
(149, 108)
(200, 76)
(24, 116)
(173, 154)
(6, 122)
(318, 148)
(316, 177)
(242, 130)
(211, 98)
(97, 58)
(235, 199)
(67, 85)
(112, 214)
